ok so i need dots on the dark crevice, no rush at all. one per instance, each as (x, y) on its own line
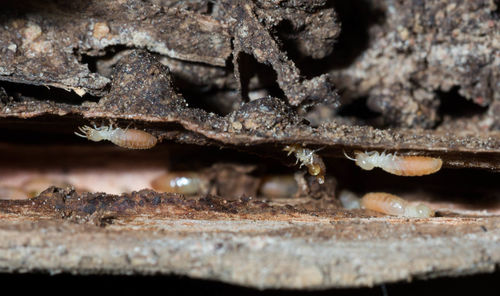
(253, 73)
(53, 129)
(244, 66)
(354, 112)
(472, 188)
(20, 92)
(4, 97)
(210, 8)
(453, 105)
(54, 148)
(49, 142)
(104, 64)
(284, 34)
(357, 108)
(496, 12)
(171, 284)
(356, 18)
(205, 97)
(90, 61)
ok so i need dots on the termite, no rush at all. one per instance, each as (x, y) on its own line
(187, 183)
(349, 200)
(278, 186)
(126, 138)
(393, 205)
(397, 165)
(309, 158)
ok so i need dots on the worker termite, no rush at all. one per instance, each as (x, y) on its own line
(278, 186)
(349, 200)
(397, 165)
(393, 205)
(126, 138)
(309, 158)
(188, 183)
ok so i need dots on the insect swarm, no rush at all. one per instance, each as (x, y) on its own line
(394, 205)
(309, 158)
(126, 138)
(397, 165)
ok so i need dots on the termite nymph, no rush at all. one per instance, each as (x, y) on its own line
(397, 165)
(126, 138)
(349, 200)
(394, 205)
(278, 186)
(309, 158)
(183, 182)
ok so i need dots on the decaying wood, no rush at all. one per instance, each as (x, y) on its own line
(243, 242)
(148, 97)
(415, 52)
(252, 77)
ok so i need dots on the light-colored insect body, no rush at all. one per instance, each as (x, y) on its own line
(349, 200)
(419, 211)
(183, 182)
(397, 165)
(126, 138)
(393, 205)
(309, 158)
(278, 186)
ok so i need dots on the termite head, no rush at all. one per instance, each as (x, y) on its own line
(363, 160)
(95, 134)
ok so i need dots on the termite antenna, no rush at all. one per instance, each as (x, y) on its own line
(347, 156)
(112, 122)
(126, 129)
(80, 135)
(319, 149)
(83, 130)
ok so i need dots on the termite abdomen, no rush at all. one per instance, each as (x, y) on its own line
(278, 186)
(187, 183)
(394, 205)
(308, 157)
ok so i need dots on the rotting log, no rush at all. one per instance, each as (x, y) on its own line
(244, 242)
(250, 77)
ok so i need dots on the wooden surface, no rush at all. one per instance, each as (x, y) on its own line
(241, 242)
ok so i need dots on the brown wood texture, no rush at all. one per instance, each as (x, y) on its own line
(224, 86)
